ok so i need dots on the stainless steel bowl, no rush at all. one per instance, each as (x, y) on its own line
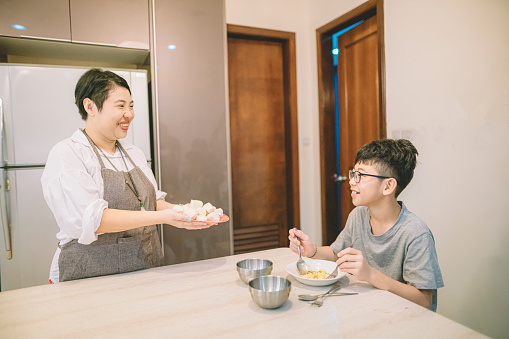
(249, 269)
(270, 291)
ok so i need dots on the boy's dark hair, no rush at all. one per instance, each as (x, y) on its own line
(96, 85)
(392, 158)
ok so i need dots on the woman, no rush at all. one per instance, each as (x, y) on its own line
(101, 191)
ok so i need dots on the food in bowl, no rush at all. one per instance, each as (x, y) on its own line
(315, 265)
(320, 274)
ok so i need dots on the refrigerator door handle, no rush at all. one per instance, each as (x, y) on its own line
(5, 220)
(2, 161)
(3, 205)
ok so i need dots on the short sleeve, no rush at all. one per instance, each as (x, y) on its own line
(73, 197)
(420, 267)
(72, 187)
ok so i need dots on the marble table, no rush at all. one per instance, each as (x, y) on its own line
(207, 299)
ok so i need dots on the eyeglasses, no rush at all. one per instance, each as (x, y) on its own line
(358, 175)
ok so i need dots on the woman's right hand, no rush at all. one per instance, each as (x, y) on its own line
(307, 247)
(174, 218)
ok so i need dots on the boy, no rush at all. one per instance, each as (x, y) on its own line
(383, 243)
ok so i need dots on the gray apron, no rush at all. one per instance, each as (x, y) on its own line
(119, 252)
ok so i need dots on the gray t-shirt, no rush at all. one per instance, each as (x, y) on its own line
(406, 252)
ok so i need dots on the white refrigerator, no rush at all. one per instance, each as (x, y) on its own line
(37, 111)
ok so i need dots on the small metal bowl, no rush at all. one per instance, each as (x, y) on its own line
(270, 291)
(249, 269)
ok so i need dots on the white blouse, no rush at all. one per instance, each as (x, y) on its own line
(73, 188)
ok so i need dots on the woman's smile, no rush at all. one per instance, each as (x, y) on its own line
(124, 125)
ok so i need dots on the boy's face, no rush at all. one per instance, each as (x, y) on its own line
(369, 190)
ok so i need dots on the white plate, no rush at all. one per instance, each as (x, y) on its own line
(315, 265)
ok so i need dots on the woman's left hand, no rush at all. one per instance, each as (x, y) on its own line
(351, 260)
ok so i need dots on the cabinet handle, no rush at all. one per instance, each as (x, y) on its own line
(94, 43)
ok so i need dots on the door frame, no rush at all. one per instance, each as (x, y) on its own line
(291, 126)
(330, 214)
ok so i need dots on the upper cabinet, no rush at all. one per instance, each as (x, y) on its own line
(122, 23)
(47, 19)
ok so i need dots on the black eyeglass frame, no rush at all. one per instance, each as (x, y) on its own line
(351, 174)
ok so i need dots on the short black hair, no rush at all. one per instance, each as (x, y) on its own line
(96, 85)
(392, 158)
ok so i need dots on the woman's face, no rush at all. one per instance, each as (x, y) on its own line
(116, 114)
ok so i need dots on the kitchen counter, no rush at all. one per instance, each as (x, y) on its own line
(208, 299)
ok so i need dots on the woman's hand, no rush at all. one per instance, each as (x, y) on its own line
(180, 220)
(352, 261)
(307, 247)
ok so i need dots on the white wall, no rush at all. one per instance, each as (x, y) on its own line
(448, 90)
(447, 68)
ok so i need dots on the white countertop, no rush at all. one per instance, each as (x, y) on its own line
(208, 299)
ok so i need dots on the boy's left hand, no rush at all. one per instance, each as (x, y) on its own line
(352, 261)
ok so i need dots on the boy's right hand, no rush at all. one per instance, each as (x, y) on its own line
(307, 247)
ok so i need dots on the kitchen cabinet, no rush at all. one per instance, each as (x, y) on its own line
(122, 23)
(47, 19)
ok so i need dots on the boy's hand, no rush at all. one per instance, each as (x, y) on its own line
(352, 261)
(307, 247)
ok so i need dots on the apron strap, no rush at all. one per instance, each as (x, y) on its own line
(126, 154)
(94, 148)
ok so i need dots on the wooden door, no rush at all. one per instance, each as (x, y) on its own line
(262, 148)
(359, 99)
(362, 82)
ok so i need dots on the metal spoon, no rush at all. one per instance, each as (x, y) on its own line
(301, 264)
(312, 297)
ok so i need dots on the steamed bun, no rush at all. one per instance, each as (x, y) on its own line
(198, 211)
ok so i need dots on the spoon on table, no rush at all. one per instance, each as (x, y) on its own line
(301, 264)
(312, 297)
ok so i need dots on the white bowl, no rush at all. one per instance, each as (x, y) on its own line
(315, 265)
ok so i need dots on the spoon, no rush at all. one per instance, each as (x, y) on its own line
(301, 264)
(312, 297)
